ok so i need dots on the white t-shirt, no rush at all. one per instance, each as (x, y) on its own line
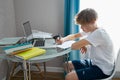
(102, 51)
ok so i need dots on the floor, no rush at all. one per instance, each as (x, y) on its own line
(117, 79)
(38, 76)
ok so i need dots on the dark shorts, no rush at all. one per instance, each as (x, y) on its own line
(86, 71)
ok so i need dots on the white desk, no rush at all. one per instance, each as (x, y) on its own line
(50, 54)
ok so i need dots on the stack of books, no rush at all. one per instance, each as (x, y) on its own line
(11, 41)
(10, 49)
(24, 50)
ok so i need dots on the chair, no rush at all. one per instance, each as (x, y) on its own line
(114, 70)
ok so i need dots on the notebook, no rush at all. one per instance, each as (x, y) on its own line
(36, 40)
(10, 41)
(33, 52)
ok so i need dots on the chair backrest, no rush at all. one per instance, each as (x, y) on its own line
(114, 70)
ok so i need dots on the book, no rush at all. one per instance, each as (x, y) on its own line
(10, 41)
(19, 51)
(33, 52)
(13, 49)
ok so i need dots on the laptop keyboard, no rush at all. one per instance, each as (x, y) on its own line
(39, 43)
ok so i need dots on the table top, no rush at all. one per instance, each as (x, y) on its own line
(50, 53)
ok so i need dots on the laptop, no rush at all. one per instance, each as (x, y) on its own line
(36, 40)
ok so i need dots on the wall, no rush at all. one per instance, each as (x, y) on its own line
(44, 15)
(7, 29)
(7, 19)
(108, 18)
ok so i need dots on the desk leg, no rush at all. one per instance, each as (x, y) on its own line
(25, 70)
(44, 63)
(13, 67)
(8, 70)
(29, 70)
(66, 60)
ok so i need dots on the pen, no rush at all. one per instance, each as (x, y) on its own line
(57, 37)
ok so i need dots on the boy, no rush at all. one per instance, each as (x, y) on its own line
(101, 62)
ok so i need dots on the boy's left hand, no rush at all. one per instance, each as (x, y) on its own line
(83, 50)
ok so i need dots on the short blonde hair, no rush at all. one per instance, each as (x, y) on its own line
(86, 16)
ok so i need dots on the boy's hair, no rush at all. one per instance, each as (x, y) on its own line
(86, 16)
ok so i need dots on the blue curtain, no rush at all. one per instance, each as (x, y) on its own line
(71, 8)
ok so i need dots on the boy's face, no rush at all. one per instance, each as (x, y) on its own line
(86, 27)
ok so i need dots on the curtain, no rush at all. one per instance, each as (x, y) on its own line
(71, 8)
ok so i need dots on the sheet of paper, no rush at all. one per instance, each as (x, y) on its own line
(66, 44)
(41, 34)
(50, 46)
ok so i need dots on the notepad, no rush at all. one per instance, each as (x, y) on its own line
(33, 52)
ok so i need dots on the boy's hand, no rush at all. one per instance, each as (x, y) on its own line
(83, 50)
(59, 41)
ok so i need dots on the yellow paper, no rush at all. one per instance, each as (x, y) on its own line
(35, 51)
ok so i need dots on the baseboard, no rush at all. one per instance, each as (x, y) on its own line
(49, 69)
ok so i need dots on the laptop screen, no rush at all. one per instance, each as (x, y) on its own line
(27, 29)
(37, 41)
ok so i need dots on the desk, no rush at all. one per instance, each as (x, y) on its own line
(50, 54)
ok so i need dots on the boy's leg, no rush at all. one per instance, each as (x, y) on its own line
(71, 76)
(68, 66)
(91, 73)
(76, 64)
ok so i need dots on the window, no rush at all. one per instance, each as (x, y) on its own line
(108, 16)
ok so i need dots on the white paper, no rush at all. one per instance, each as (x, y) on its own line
(41, 34)
(66, 44)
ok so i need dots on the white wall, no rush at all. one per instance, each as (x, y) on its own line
(45, 15)
(108, 18)
(7, 19)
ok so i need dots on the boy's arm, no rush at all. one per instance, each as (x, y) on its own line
(71, 37)
(79, 44)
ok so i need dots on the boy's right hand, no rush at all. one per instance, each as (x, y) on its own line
(59, 41)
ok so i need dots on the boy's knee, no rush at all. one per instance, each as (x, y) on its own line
(67, 64)
(71, 76)
(67, 77)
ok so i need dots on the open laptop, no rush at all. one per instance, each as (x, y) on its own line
(36, 40)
